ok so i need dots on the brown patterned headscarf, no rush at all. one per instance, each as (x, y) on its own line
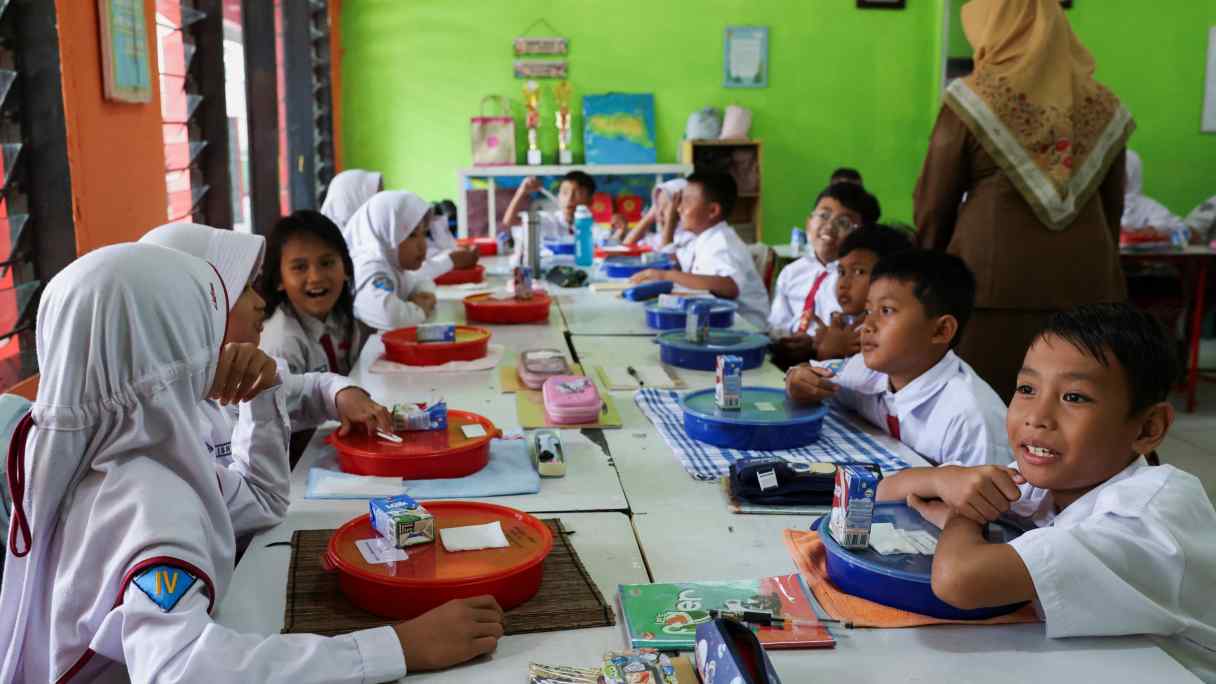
(1034, 105)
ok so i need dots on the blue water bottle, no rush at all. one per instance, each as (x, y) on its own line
(584, 241)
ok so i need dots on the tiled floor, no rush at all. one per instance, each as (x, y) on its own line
(1191, 443)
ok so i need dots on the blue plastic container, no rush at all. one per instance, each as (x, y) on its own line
(624, 267)
(675, 349)
(560, 247)
(902, 580)
(766, 421)
(641, 293)
(722, 315)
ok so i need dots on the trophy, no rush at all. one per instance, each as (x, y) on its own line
(561, 93)
(532, 102)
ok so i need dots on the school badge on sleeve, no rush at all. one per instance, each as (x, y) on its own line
(165, 584)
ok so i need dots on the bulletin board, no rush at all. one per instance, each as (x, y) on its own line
(124, 50)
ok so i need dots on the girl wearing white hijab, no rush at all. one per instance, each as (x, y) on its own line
(387, 240)
(347, 192)
(313, 398)
(443, 254)
(671, 237)
(1141, 211)
(123, 526)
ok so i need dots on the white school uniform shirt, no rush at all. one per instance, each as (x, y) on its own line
(948, 415)
(131, 525)
(794, 285)
(718, 251)
(439, 246)
(1142, 211)
(382, 290)
(1134, 555)
(297, 340)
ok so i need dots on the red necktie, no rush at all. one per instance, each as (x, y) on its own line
(893, 426)
(328, 345)
(808, 308)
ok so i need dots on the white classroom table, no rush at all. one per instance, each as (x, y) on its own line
(605, 543)
(606, 313)
(718, 545)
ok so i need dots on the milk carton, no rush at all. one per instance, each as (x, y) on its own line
(728, 390)
(402, 521)
(853, 506)
(437, 332)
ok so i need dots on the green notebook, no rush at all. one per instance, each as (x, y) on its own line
(665, 616)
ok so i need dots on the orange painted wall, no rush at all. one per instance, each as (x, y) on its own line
(115, 150)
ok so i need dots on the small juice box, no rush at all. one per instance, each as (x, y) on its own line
(402, 520)
(696, 326)
(853, 506)
(728, 391)
(523, 282)
(418, 417)
(437, 332)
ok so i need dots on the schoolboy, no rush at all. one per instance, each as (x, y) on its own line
(1121, 547)
(805, 290)
(576, 189)
(907, 379)
(859, 254)
(718, 261)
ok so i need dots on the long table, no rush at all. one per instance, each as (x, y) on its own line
(639, 517)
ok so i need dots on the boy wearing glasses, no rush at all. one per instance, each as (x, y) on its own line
(805, 296)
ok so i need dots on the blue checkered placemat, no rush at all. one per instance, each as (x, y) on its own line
(838, 441)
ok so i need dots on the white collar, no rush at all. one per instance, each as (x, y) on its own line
(923, 388)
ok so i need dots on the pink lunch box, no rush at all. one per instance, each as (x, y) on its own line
(571, 399)
(538, 365)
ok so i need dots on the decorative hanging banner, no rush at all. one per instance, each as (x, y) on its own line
(553, 45)
(540, 68)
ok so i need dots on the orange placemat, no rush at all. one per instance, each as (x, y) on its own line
(811, 558)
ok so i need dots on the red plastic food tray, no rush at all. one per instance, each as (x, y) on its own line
(424, 455)
(636, 249)
(402, 345)
(459, 276)
(483, 308)
(484, 246)
(432, 576)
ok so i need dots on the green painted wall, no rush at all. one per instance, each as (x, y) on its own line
(1152, 54)
(846, 86)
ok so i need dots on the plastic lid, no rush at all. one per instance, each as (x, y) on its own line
(767, 406)
(484, 300)
(431, 564)
(914, 567)
(721, 341)
(636, 261)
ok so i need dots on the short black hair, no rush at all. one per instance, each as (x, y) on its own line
(847, 173)
(582, 179)
(1135, 338)
(854, 198)
(718, 187)
(941, 282)
(313, 224)
(879, 239)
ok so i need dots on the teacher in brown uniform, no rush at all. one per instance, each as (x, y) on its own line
(1024, 180)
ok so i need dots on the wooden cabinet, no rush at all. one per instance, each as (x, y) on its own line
(741, 159)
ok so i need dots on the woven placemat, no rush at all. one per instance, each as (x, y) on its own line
(567, 598)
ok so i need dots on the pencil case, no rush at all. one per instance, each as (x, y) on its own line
(538, 365)
(571, 399)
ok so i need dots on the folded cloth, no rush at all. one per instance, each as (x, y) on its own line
(810, 556)
(474, 537)
(490, 361)
(509, 471)
(839, 441)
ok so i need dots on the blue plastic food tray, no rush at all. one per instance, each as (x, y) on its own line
(722, 315)
(560, 247)
(640, 293)
(675, 349)
(902, 580)
(624, 267)
(766, 421)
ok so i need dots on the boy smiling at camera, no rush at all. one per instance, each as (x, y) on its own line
(1122, 547)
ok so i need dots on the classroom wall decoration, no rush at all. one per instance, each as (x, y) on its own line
(541, 46)
(124, 50)
(540, 68)
(881, 4)
(745, 57)
(618, 128)
(1208, 124)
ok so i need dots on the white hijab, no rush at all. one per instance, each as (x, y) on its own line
(236, 256)
(115, 472)
(347, 192)
(378, 228)
(1139, 210)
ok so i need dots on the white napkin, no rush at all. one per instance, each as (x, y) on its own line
(494, 353)
(474, 537)
(329, 484)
